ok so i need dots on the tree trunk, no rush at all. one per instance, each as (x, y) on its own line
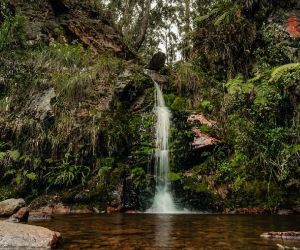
(187, 29)
(126, 17)
(144, 25)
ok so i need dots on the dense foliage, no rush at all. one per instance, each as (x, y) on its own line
(240, 67)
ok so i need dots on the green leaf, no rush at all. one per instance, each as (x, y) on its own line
(296, 148)
(18, 178)
(174, 176)
(31, 176)
(14, 155)
(2, 155)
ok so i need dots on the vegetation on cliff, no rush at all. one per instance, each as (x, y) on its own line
(76, 104)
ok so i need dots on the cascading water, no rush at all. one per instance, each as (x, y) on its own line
(163, 201)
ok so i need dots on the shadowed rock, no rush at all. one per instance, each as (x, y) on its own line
(157, 61)
(20, 216)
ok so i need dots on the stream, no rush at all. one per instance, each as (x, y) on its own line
(164, 231)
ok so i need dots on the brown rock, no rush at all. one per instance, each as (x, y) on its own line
(200, 118)
(81, 211)
(22, 236)
(39, 216)
(293, 25)
(10, 206)
(21, 216)
(131, 211)
(118, 209)
(55, 209)
(202, 140)
(61, 209)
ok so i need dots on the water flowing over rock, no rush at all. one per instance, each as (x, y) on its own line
(20, 236)
(163, 201)
(10, 206)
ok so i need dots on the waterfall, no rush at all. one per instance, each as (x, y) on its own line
(163, 201)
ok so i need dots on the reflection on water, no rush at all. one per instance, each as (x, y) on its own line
(163, 228)
(163, 231)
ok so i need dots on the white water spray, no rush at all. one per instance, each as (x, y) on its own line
(163, 201)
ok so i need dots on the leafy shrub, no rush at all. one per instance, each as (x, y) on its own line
(12, 32)
(67, 174)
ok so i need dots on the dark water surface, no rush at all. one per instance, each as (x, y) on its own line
(146, 231)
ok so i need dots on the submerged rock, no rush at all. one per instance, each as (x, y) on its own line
(249, 211)
(10, 206)
(291, 235)
(39, 216)
(26, 236)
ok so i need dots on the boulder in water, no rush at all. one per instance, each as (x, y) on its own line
(10, 206)
(21, 236)
(285, 212)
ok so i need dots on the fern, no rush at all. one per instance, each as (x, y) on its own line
(279, 72)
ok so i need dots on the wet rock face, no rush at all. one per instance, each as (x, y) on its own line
(22, 236)
(10, 206)
(72, 21)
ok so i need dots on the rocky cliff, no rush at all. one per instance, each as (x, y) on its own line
(71, 21)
